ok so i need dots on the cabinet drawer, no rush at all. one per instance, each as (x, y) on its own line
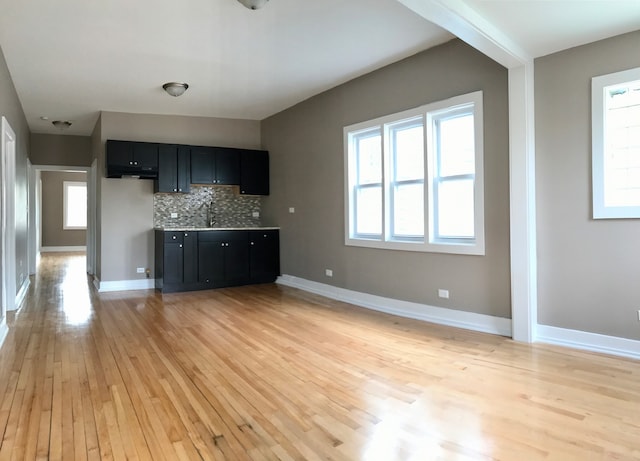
(174, 237)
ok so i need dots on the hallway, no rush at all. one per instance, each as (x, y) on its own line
(267, 372)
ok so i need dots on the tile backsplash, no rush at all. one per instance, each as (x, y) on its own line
(229, 208)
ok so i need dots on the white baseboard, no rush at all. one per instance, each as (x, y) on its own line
(124, 285)
(22, 293)
(62, 248)
(593, 342)
(440, 315)
(4, 331)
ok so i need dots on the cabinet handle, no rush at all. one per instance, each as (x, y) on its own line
(222, 245)
(252, 243)
(186, 235)
(130, 163)
(174, 237)
(174, 190)
(180, 246)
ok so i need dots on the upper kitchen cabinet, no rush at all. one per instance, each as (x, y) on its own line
(174, 169)
(215, 165)
(127, 158)
(254, 172)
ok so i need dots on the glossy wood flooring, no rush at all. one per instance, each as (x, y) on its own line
(267, 372)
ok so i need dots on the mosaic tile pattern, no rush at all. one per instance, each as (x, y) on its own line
(229, 208)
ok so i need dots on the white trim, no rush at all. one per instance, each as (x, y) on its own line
(440, 315)
(62, 248)
(124, 285)
(4, 331)
(8, 180)
(22, 293)
(522, 215)
(598, 141)
(593, 342)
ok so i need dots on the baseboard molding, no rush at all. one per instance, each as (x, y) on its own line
(433, 314)
(593, 342)
(22, 293)
(124, 285)
(62, 248)
(4, 331)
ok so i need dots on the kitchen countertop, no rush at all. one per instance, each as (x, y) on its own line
(193, 229)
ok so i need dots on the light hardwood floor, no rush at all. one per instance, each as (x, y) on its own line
(268, 372)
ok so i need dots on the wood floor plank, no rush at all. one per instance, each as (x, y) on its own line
(272, 373)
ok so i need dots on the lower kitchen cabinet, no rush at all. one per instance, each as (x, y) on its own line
(223, 258)
(264, 255)
(200, 260)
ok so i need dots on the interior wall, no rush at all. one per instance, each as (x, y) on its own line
(11, 108)
(53, 232)
(126, 205)
(58, 149)
(587, 269)
(307, 172)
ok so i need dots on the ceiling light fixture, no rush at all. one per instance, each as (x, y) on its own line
(61, 125)
(253, 4)
(175, 88)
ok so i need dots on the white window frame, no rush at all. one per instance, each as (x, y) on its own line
(598, 87)
(428, 243)
(65, 188)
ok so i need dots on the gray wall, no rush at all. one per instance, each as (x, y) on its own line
(53, 233)
(66, 150)
(11, 108)
(125, 206)
(588, 270)
(307, 172)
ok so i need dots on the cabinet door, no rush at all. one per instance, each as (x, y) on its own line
(190, 258)
(184, 169)
(236, 258)
(119, 153)
(145, 155)
(227, 168)
(211, 247)
(254, 172)
(167, 169)
(173, 262)
(264, 256)
(202, 165)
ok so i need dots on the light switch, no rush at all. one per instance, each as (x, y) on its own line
(292, 209)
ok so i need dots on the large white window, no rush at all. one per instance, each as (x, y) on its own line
(615, 106)
(75, 205)
(414, 180)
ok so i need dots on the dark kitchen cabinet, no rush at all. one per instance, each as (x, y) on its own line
(254, 172)
(135, 158)
(176, 260)
(215, 165)
(174, 169)
(223, 258)
(264, 255)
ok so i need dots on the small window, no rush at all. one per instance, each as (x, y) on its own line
(616, 145)
(75, 205)
(414, 180)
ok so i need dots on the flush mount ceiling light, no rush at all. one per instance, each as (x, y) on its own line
(253, 4)
(175, 88)
(61, 124)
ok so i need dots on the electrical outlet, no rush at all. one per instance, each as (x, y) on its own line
(140, 270)
(174, 215)
(443, 293)
(328, 272)
(255, 214)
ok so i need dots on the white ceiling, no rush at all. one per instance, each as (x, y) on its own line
(70, 59)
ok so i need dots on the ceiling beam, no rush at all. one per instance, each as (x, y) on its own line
(461, 20)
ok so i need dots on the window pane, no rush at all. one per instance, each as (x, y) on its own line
(455, 209)
(622, 145)
(408, 210)
(408, 151)
(369, 151)
(456, 145)
(369, 210)
(76, 206)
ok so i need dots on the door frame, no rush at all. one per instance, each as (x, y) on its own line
(7, 225)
